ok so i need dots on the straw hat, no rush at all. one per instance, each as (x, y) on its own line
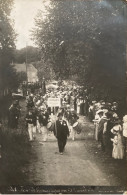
(99, 111)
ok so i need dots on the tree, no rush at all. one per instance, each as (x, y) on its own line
(85, 39)
(7, 46)
(32, 53)
(45, 70)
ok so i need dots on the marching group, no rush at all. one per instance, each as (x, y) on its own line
(110, 131)
(59, 120)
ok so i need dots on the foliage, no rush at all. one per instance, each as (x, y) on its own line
(7, 46)
(85, 40)
(45, 70)
(29, 52)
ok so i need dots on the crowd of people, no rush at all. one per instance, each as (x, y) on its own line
(57, 119)
(110, 131)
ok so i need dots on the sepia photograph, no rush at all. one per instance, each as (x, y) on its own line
(63, 96)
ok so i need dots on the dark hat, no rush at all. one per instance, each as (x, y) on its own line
(59, 114)
(116, 121)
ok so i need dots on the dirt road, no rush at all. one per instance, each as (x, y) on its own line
(39, 163)
(80, 164)
(75, 167)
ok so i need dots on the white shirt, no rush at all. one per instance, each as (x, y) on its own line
(125, 129)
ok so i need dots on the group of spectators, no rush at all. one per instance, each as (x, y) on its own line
(110, 130)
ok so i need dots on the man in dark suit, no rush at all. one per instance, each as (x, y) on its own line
(61, 132)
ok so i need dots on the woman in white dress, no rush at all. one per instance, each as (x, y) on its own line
(118, 148)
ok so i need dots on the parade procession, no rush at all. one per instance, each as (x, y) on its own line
(58, 111)
(63, 100)
(62, 114)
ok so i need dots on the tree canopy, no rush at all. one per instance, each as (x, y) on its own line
(7, 46)
(85, 41)
(31, 53)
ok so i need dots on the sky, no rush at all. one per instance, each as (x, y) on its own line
(23, 14)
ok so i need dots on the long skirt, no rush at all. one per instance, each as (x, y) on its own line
(96, 131)
(118, 149)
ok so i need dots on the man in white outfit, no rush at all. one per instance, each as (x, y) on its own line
(30, 123)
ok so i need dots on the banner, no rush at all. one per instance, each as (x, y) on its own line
(54, 102)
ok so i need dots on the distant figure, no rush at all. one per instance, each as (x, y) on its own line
(90, 112)
(102, 129)
(73, 117)
(30, 103)
(43, 87)
(61, 132)
(30, 119)
(43, 120)
(13, 117)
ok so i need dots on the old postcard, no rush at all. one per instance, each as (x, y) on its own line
(63, 114)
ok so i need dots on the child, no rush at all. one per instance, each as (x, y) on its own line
(118, 149)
